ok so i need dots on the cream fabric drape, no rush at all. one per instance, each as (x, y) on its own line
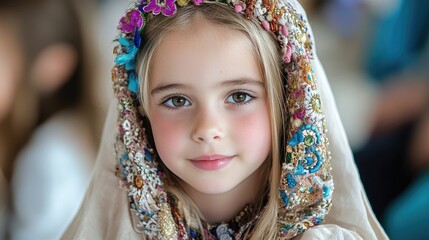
(105, 213)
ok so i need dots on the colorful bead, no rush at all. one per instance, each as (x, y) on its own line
(266, 25)
(138, 181)
(198, 2)
(285, 30)
(238, 8)
(182, 3)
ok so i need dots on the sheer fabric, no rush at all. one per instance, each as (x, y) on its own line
(105, 213)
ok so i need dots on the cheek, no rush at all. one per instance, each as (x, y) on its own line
(253, 131)
(168, 136)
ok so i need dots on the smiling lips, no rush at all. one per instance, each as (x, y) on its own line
(211, 162)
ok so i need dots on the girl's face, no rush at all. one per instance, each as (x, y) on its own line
(208, 108)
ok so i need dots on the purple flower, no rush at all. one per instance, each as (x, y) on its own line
(166, 7)
(131, 22)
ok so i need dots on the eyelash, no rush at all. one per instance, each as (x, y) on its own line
(249, 98)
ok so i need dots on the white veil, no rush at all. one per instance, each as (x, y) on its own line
(105, 212)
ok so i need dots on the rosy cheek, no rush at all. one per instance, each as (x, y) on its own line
(168, 135)
(253, 131)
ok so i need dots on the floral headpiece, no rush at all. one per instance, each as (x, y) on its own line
(306, 183)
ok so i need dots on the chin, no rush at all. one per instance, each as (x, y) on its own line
(213, 187)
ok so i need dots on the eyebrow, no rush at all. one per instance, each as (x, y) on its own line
(167, 87)
(236, 82)
(243, 81)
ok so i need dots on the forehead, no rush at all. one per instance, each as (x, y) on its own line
(204, 51)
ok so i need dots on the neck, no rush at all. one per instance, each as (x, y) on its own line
(217, 208)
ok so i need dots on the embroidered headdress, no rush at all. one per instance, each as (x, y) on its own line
(306, 183)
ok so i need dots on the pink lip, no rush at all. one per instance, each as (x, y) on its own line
(211, 162)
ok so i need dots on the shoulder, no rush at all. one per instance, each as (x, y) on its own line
(62, 140)
(53, 171)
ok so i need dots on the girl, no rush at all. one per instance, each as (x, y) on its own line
(220, 131)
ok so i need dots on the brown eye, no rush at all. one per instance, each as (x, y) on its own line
(177, 102)
(239, 98)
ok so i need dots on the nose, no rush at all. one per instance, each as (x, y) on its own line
(207, 126)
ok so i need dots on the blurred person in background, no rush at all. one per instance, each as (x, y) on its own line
(11, 68)
(51, 112)
(394, 164)
(11, 74)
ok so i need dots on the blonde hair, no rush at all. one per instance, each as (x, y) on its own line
(267, 53)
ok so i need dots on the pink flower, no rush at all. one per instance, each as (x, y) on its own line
(166, 7)
(132, 20)
(198, 2)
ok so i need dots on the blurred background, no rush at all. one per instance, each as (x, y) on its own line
(55, 87)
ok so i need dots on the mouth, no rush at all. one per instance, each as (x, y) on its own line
(212, 162)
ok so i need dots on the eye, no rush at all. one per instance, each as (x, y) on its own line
(176, 102)
(239, 98)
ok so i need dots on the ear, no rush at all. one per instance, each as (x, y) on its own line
(53, 67)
